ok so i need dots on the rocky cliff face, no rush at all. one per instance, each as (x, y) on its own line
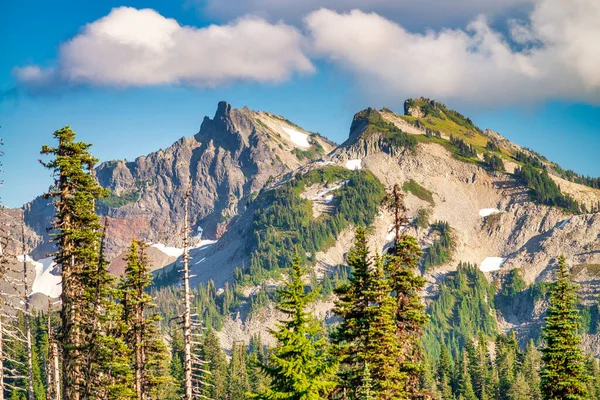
(228, 161)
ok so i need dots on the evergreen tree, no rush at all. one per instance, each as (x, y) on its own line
(149, 353)
(519, 389)
(382, 349)
(300, 366)
(176, 366)
(351, 334)
(464, 383)
(406, 284)
(563, 375)
(237, 375)
(444, 373)
(214, 355)
(93, 356)
(531, 370)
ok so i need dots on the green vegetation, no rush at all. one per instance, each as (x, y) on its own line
(492, 146)
(375, 124)
(422, 218)
(463, 149)
(300, 362)
(439, 119)
(461, 310)
(117, 201)
(543, 190)
(284, 222)
(493, 162)
(418, 191)
(563, 373)
(440, 251)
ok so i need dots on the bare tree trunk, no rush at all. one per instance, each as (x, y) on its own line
(187, 324)
(30, 393)
(53, 362)
(1, 356)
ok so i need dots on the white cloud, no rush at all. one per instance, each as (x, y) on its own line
(131, 47)
(553, 53)
(557, 58)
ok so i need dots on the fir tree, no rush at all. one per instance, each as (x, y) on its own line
(300, 366)
(382, 349)
(237, 375)
(406, 284)
(149, 352)
(214, 355)
(351, 335)
(531, 370)
(563, 375)
(93, 356)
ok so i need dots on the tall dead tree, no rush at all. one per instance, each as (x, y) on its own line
(187, 322)
(194, 367)
(30, 394)
(10, 334)
(53, 368)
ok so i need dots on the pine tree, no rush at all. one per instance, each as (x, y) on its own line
(150, 355)
(300, 366)
(94, 361)
(382, 350)
(217, 366)
(519, 389)
(563, 375)
(464, 382)
(444, 373)
(531, 370)
(351, 335)
(406, 284)
(237, 374)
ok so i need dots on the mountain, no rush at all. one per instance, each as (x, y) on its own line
(228, 161)
(261, 187)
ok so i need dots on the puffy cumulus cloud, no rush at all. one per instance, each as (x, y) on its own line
(554, 54)
(412, 13)
(131, 47)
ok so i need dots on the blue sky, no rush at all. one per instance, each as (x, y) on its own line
(317, 70)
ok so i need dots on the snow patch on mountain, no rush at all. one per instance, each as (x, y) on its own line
(491, 264)
(299, 138)
(45, 281)
(354, 164)
(327, 191)
(178, 252)
(486, 212)
(170, 251)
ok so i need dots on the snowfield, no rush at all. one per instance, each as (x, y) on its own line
(178, 252)
(45, 281)
(491, 264)
(486, 212)
(170, 251)
(299, 138)
(354, 164)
